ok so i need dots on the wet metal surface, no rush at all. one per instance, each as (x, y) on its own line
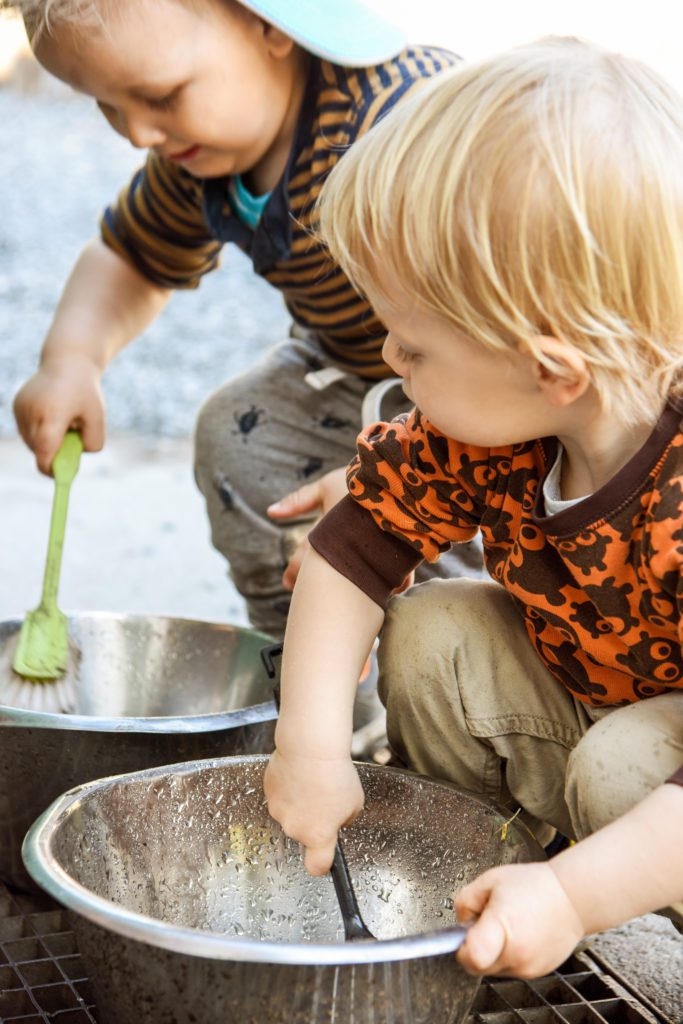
(141, 691)
(191, 905)
(43, 979)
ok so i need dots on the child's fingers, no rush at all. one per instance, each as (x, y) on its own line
(320, 841)
(49, 435)
(91, 428)
(45, 443)
(483, 946)
(318, 859)
(472, 898)
(305, 499)
(486, 936)
(294, 565)
(408, 582)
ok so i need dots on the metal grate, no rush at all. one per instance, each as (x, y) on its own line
(578, 992)
(42, 980)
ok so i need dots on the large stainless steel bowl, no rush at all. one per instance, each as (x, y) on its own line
(139, 692)
(190, 906)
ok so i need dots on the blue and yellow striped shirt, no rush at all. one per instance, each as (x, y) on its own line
(172, 226)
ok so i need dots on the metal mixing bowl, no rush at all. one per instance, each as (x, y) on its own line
(190, 905)
(139, 692)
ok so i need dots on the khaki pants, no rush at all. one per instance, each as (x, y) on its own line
(469, 701)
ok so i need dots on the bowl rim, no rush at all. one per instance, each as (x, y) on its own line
(42, 865)
(253, 714)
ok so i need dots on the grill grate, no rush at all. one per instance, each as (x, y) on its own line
(43, 981)
(42, 978)
(578, 992)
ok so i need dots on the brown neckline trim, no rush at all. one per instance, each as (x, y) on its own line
(617, 492)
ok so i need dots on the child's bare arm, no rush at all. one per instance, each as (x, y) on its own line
(311, 785)
(105, 304)
(531, 916)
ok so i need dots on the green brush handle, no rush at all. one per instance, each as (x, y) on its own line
(64, 468)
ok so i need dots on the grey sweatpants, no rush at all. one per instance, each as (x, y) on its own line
(266, 433)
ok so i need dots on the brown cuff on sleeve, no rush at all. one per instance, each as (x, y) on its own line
(350, 540)
(677, 777)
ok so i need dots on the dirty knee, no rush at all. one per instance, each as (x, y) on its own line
(418, 682)
(407, 637)
(422, 630)
(605, 778)
(437, 616)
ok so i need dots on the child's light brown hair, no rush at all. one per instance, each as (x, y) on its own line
(537, 192)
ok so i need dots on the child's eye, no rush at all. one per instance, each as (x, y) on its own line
(404, 355)
(164, 102)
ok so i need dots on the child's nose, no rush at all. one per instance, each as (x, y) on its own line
(143, 135)
(389, 356)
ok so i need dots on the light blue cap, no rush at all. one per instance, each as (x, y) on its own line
(347, 32)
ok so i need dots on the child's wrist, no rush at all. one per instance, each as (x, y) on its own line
(322, 732)
(573, 887)
(293, 747)
(69, 359)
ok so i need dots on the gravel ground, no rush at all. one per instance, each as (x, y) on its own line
(61, 165)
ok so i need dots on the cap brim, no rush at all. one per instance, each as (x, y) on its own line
(348, 33)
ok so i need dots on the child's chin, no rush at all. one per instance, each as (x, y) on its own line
(211, 169)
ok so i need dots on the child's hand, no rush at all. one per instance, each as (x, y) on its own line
(66, 394)
(526, 923)
(317, 497)
(312, 798)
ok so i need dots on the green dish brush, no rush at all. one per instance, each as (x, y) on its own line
(42, 652)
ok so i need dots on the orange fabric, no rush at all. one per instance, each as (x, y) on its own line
(599, 585)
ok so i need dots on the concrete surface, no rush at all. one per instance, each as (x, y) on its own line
(137, 537)
(648, 952)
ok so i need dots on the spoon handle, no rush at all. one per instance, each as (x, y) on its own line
(354, 926)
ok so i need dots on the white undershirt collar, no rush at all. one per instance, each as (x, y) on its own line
(552, 494)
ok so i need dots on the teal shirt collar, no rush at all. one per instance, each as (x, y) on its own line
(246, 206)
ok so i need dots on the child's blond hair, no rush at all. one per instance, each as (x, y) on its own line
(537, 192)
(39, 15)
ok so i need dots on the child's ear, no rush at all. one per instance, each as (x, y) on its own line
(278, 42)
(567, 378)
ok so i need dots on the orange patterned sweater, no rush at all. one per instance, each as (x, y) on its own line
(598, 585)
